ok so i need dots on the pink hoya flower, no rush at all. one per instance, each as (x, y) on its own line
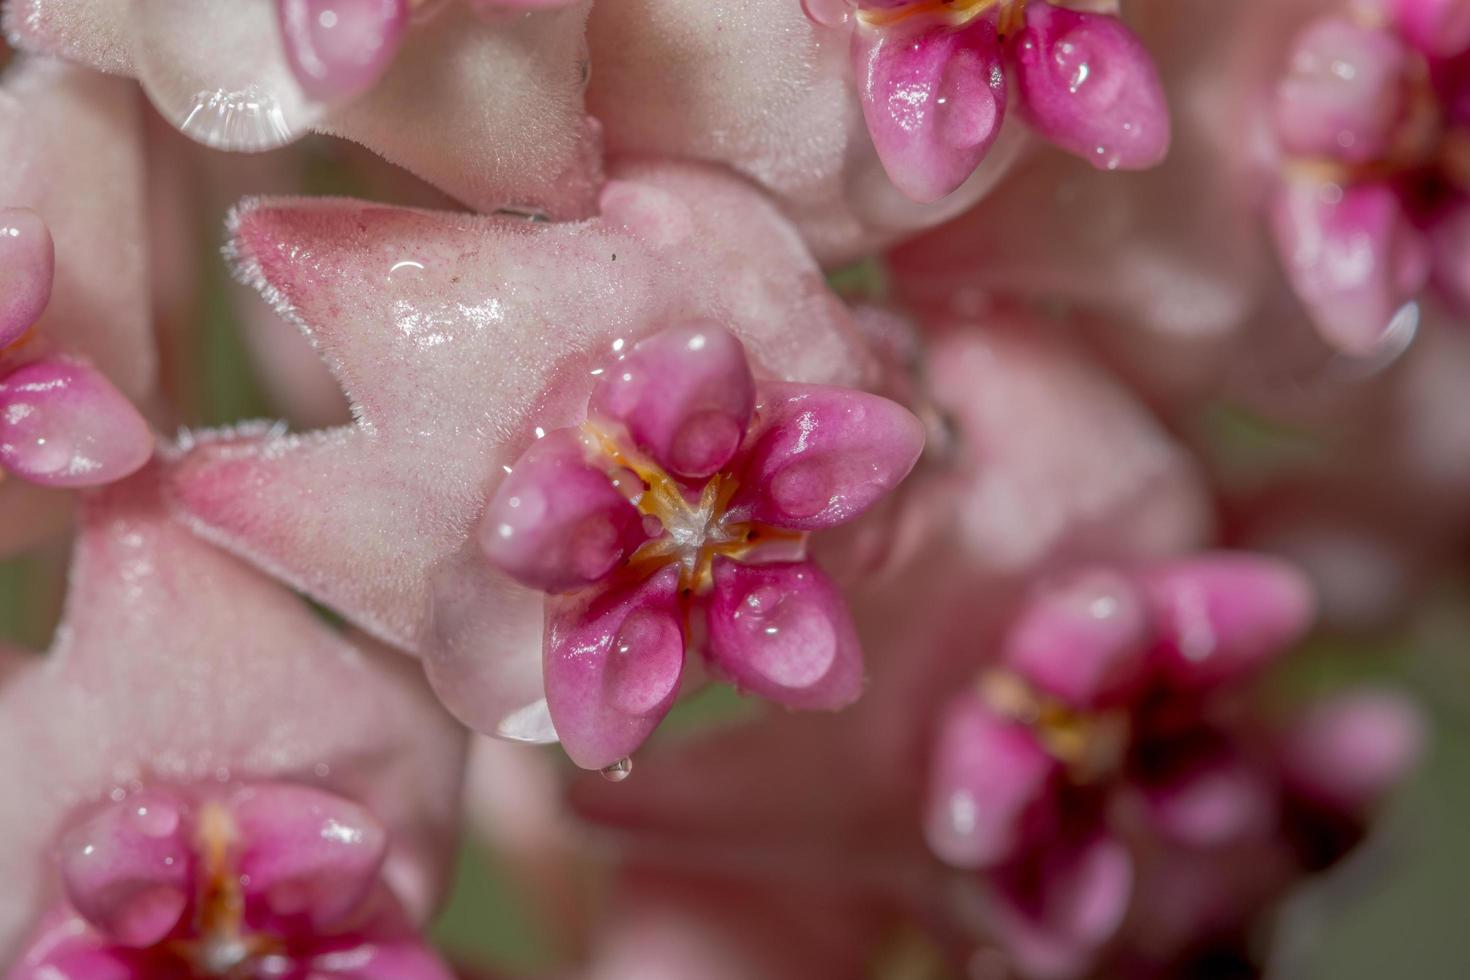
(289, 817)
(393, 75)
(76, 350)
(1372, 207)
(456, 339)
(689, 491)
(934, 83)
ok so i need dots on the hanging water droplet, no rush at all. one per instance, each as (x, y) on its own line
(618, 771)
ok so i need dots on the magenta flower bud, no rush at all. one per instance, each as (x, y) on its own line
(685, 394)
(27, 267)
(783, 631)
(338, 49)
(1350, 750)
(1345, 94)
(1083, 640)
(1352, 256)
(1217, 801)
(934, 98)
(820, 455)
(63, 424)
(1088, 85)
(612, 666)
(990, 789)
(310, 857)
(1440, 28)
(556, 522)
(128, 869)
(1221, 617)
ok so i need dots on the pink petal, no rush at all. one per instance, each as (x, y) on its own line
(62, 424)
(1352, 256)
(66, 947)
(820, 455)
(340, 48)
(990, 786)
(557, 523)
(934, 98)
(686, 395)
(613, 662)
(311, 857)
(27, 265)
(1437, 27)
(783, 631)
(1088, 84)
(1346, 93)
(1352, 750)
(1220, 617)
(129, 869)
(1083, 639)
(1214, 803)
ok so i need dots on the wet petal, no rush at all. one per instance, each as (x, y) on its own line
(783, 631)
(1350, 750)
(1088, 84)
(613, 663)
(1223, 616)
(1082, 639)
(558, 523)
(63, 424)
(990, 785)
(686, 395)
(1345, 95)
(27, 265)
(338, 48)
(821, 455)
(128, 869)
(311, 857)
(1351, 255)
(934, 98)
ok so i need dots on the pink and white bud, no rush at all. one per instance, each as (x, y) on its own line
(27, 267)
(63, 424)
(686, 396)
(783, 631)
(1088, 84)
(934, 98)
(613, 660)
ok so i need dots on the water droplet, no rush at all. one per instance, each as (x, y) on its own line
(618, 771)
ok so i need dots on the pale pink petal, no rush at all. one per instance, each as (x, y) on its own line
(686, 395)
(934, 98)
(556, 522)
(1351, 255)
(991, 786)
(1082, 639)
(820, 456)
(613, 662)
(783, 631)
(1088, 84)
(338, 49)
(27, 267)
(1221, 617)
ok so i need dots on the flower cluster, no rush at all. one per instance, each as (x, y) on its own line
(920, 371)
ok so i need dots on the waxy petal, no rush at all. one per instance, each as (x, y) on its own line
(557, 523)
(1437, 27)
(62, 424)
(1352, 256)
(1082, 639)
(1345, 93)
(686, 395)
(128, 869)
(1349, 751)
(990, 787)
(820, 456)
(1219, 618)
(783, 631)
(27, 267)
(1087, 84)
(66, 947)
(338, 49)
(311, 858)
(934, 98)
(613, 662)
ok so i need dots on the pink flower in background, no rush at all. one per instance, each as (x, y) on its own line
(291, 813)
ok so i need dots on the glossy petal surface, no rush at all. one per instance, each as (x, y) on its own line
(62, 424)
(27, 267)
